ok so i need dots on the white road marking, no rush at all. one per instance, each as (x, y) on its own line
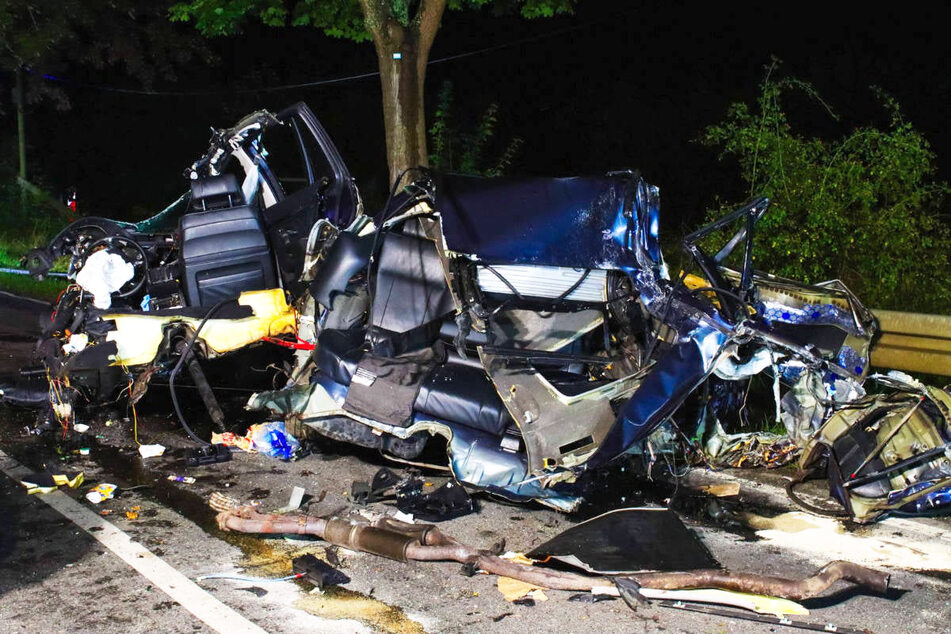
(180, 588)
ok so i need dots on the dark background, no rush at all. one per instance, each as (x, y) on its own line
(619, 84)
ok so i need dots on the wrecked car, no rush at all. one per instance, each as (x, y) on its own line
(531, 324)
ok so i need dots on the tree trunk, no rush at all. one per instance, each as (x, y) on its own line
(21, 122)
(21, 137)
(403, 53)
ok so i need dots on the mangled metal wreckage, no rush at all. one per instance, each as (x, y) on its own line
(532, 323)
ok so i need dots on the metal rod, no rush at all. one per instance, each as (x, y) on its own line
(204, 389)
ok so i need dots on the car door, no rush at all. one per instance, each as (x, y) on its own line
(310, 181)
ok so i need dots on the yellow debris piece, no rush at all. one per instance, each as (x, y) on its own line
(138, 336)
(513, 589)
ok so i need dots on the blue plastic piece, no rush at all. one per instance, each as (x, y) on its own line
(274, 440)
(936, 501)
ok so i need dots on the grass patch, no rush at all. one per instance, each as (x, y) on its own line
(24, 285)
(12, 248)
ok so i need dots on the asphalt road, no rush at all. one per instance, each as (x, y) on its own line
(57, 577)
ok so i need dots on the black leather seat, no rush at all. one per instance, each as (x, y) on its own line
(339, 352)
(410, 295)
(463, 394)
(224, 249)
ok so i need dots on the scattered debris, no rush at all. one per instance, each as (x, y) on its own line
(294, 502)
(182, 479)
(885, 454)
(46, 482)
(207, 454)
(416, 497)
(318, 572)
(273, 439)
(151, 451)
(422, 500)
(590, 597)
(389, 538)
(626, 541)
(101, 492)
(230, 439)
(725, 490)
(133, 513)
(761, 618)
(514, 589)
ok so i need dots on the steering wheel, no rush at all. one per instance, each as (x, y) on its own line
(132, 252)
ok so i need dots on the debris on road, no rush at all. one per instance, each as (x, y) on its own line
(627, 541)
(415, 496)
(46, 482)
(272, 439)
(294, 502)
(885, 453)
(101, 492)
(207, 454)
(151, 451)
(513, 590)
(318, 572)
(392, 539)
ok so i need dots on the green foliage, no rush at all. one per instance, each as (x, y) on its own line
(863, 208)
(134, 36)
(453, 149)
(526, 8)
(336, 18)
(21, 232)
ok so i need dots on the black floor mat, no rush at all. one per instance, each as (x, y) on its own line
(385, 389)
(629, 540)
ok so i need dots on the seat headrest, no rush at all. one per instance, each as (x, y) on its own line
(216, 192)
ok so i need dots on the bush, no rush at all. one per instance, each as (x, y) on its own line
(863, 208)
(454, 150)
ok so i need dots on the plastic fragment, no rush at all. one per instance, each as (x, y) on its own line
(151, 451)
(294, 502)
(45, 482)
(101, 492)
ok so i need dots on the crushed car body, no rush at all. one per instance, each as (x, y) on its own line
(532, 324)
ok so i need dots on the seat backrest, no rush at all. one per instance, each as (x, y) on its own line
(216, 192)
(410, 295)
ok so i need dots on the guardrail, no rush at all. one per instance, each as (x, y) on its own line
(913, 342)
(12, 271)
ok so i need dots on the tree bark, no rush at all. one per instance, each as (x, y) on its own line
(403, 53)
(21, 137)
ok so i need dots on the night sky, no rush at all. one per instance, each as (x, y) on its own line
(617, 85)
